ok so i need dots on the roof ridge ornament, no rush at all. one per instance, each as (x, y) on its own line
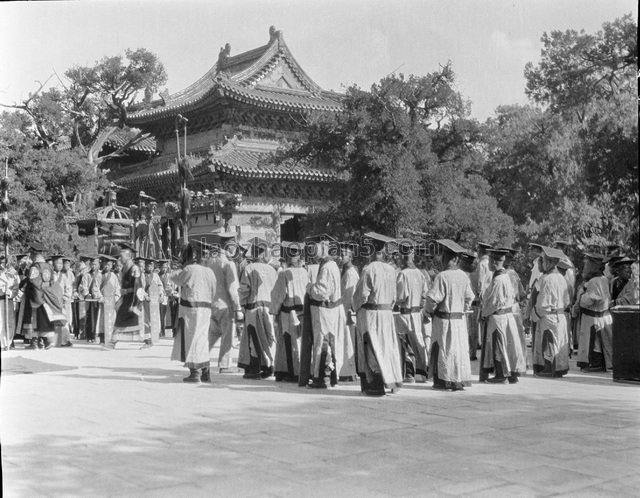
(274, 34)
(224, 54)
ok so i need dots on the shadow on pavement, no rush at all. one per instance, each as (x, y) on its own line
(19, 365)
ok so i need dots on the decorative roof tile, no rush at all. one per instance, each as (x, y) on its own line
(239, 158)
(120, 137)
(238, 77)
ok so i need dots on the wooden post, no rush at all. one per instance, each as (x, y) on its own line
(5, 215)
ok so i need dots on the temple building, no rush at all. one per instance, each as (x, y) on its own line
(237, 116)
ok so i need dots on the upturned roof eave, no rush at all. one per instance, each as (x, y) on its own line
(208, 83)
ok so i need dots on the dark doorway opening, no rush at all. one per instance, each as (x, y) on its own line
(290, 229)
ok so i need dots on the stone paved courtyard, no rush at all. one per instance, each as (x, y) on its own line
(88, 422)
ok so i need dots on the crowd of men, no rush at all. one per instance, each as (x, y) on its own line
(305, 313)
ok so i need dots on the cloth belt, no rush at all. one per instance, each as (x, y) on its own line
(377, 307)
(325, 304)
(558, 311)
(252, 306)
(194, 304)
(448, 316)
(503, 311)
(289, 309)
(408, 311)
(589, 312)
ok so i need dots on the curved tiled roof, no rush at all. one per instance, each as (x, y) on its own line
(245, 163)
(238, 77)
(239, 158)
(120, 137)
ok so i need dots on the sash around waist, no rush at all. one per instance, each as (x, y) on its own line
(448, 316)
(408, 311)
(288, 309)
(503, 311)
(377, 307)
(557, 311)
(194, 304)
(325, 304)
(252, 306)
(588, 312)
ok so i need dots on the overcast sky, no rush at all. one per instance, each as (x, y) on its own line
(338, 43)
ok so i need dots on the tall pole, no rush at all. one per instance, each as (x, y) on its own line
(5, 223)
(185, 196)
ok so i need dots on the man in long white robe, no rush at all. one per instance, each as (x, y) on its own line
(379, 364)
(551, 343)
(411, 292)
(287, 305)
(595, 340)
(9, 282)
(65, 281)
(110, 290)
(226, 305)
(197, 290)
(448, 299)
(331, 341)
(502, 350)
(257, 340)
(348, 282)
(154, 295)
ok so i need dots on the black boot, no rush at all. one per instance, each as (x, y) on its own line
(499, 377)
(194, 376)
(318, 383)
(48, 344)
(206, 375)
(597, 364)
(376, 387)
(547, 371)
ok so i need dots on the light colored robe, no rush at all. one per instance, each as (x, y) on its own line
(65, 281)
(110, 289)
(225, 302)
(551, 342)
(256, 285)
(595, 296)
(197, 289)
(348, 283)
(330, 323)
(154, 290)
(288, 293)
(377, 286)
(411, 292)
(451, 293)
(503, 341)
(8, 289)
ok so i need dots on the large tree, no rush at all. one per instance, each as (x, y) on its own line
(410, 158)
(53, 143)
(567, 165)
(90, 103)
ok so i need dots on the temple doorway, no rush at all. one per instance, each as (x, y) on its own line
(290, 229)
